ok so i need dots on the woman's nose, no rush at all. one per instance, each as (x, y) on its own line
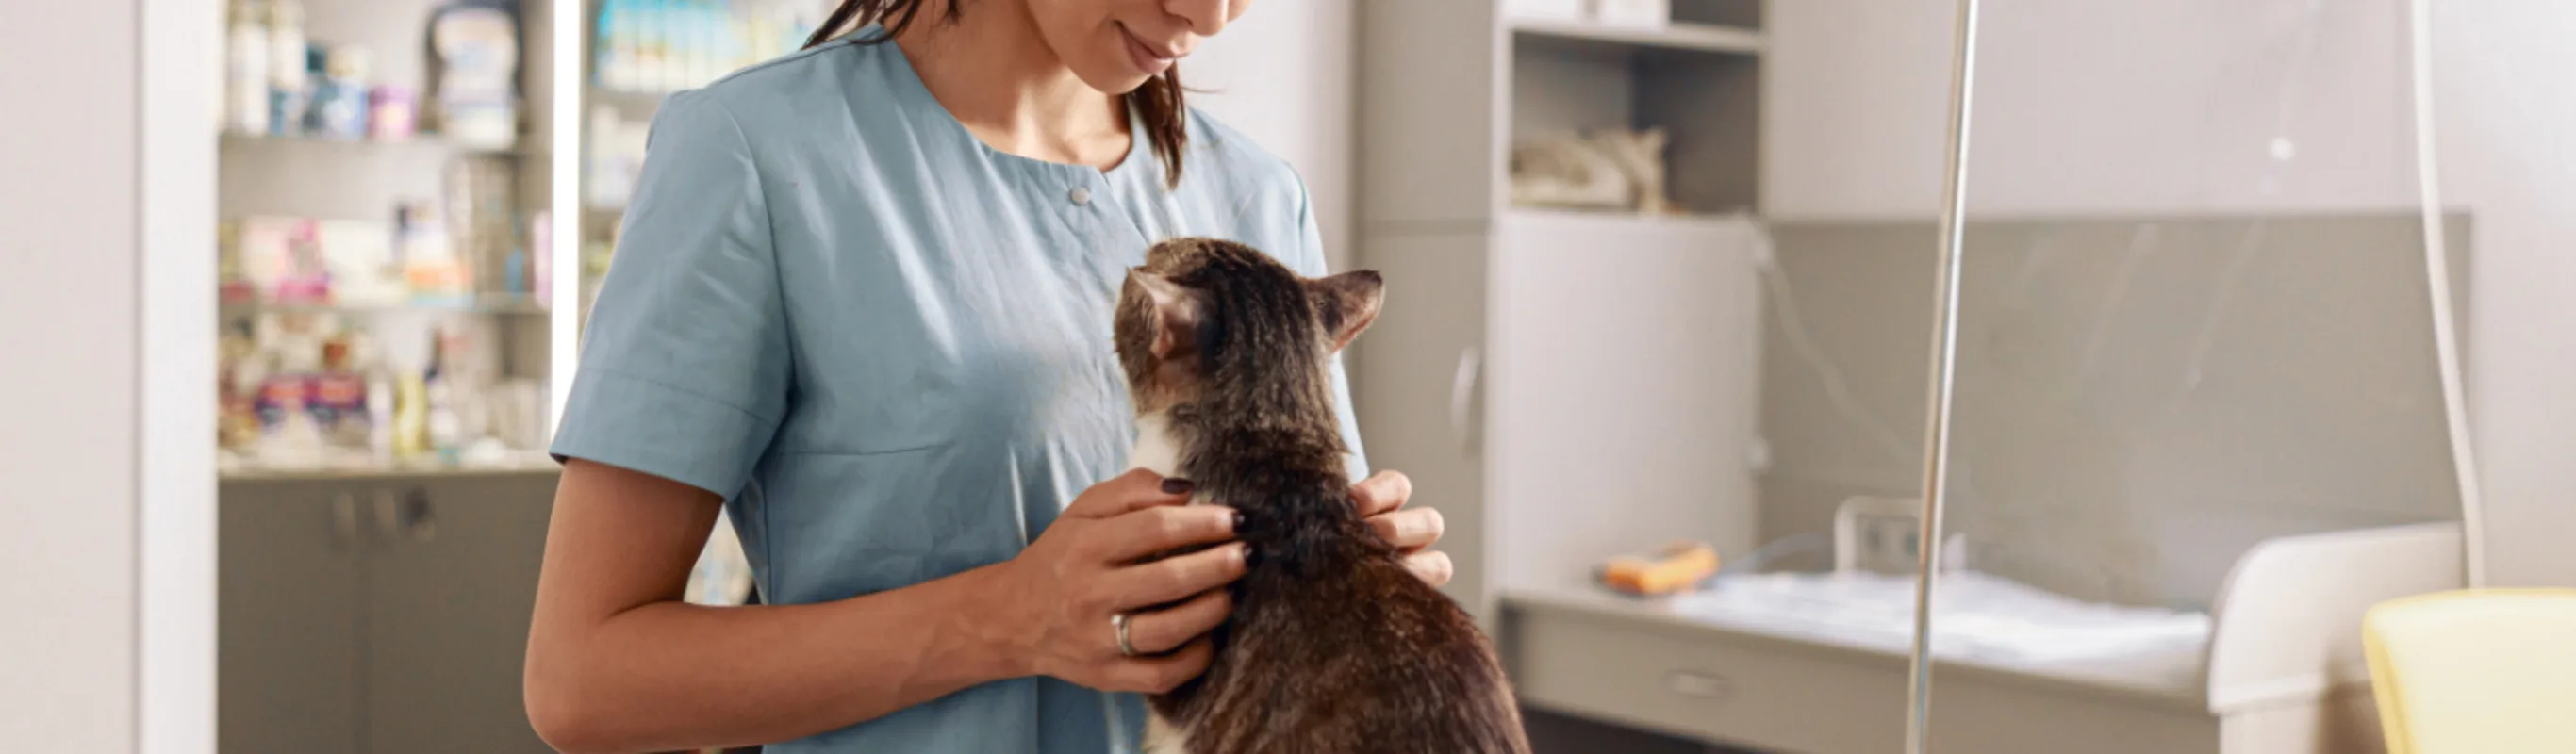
(1205, 17)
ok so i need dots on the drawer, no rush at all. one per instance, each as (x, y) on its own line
(1705, 683)
(1787, 696)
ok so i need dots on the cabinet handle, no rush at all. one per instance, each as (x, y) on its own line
(1700, 685)
(344, 520)
(410, 517)
(422, 520)
(1462, 396)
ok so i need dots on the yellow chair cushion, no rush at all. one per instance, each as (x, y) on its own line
(2475, 672)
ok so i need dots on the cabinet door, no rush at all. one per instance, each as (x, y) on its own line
(1417, 387)
(1625, 351)
(451, 581)
(288, 637)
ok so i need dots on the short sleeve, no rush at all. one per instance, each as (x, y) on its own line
(684, 363)
(1311, 259)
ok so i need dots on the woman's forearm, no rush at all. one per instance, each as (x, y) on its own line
(670, 675)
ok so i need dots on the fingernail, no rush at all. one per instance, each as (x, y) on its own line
(1176, 486)
(1250, 556)
(1238, 520)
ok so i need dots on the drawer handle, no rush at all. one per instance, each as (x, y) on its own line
(1463, 383)
(1700, 685)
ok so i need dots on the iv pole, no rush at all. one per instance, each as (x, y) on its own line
(1945, 358)
(2437, 277)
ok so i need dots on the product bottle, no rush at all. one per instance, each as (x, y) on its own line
(339, 107)
(295, 425)
(411, 415)
(431, 265)
(247, 108)
(446, 432)
(706, 51)
(603, 69)
(380, 401)
(541, 252)
(287, 82)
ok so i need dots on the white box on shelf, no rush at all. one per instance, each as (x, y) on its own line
(1547, 10)
(1634, 13)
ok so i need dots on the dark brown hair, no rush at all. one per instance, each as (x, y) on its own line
(1167, 122)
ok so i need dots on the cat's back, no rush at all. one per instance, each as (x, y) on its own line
(1371, 659)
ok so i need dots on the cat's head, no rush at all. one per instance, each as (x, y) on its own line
(1206, 314)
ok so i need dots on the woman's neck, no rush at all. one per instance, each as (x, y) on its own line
(998, 77)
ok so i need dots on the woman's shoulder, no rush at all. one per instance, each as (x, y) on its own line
(1265, 192)
(1228, 153)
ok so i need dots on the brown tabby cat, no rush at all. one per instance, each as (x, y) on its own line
(1333, 646)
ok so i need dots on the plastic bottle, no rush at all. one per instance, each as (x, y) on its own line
(411, 415)
(339, 106)
(648, 45)
(616, 50)
(380, 402)
(442, 423)
(287, 82)
(247, 107)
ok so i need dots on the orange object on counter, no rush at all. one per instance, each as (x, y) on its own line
(1675, 568)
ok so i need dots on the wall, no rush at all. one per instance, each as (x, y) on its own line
(1282, 75)
(2506, 115)
(106, 477)
(69, 213)
(2154, 107)
(2138, 401)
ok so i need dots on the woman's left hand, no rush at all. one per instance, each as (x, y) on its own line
(1381, 500)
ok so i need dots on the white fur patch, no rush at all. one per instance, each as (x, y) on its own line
(1156, 448)
(1158, 451)
(1161, 737)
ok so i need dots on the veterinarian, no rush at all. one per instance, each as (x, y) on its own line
(862, 303)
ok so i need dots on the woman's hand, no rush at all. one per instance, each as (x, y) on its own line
(1057, 598)
(1381, 500)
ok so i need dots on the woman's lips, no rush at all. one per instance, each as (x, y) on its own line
(1147, 59)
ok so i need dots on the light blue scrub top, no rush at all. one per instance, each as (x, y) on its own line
(888, 345)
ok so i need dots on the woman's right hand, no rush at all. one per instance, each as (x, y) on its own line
(1060, 593)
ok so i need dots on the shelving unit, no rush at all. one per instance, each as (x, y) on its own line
(1562, 385)
(428, 143)
(495, 305)
(1487, 387)
(294, 176)
(370, 601)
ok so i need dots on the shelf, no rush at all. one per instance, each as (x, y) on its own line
(1698, 221)
(629, 101)
(1688, 37)
(493, 305)
(427, 143)
(236, 469)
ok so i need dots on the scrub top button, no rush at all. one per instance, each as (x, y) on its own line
(1080, 195)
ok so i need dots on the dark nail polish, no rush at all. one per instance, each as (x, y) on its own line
(1251, 556)
(1238, 520)
(1176, 486)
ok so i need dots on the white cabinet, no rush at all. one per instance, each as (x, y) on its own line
(1622, 399)
(1562, 385)
(1565, 389)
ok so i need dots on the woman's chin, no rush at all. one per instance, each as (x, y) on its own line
(1113, 79)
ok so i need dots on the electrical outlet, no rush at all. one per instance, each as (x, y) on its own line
(1889, 544)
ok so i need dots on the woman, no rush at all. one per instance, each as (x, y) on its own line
(863, 303)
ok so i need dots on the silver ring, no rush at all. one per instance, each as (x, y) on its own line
(1120, 621)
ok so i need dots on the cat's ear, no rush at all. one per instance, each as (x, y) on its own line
(1348, 303)
(1176, 311)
